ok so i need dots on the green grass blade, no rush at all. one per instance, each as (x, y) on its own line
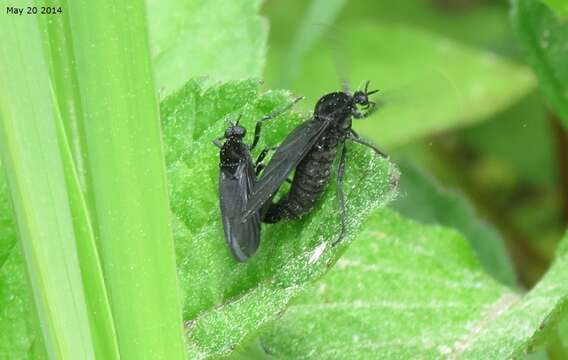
(85, 180)
(57, 36)
(125, 175)
(36, 170)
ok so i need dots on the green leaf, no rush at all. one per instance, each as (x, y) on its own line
(450, 86)
(560, 6)
(217, 39)
(405, 290)
(226, 302)
(543, 37)
(479, 24)
(424, 200)
(18, 329)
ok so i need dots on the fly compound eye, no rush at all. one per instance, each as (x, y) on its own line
(240, 131)
(235, 131)
(360, 98)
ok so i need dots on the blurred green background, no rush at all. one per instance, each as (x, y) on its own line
(460, 112)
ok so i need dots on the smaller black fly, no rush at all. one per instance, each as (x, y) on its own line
(237, 177)
(310, 150)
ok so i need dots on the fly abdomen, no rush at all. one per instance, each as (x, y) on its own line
(310, 179)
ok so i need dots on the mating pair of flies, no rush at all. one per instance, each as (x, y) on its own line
(247, 188)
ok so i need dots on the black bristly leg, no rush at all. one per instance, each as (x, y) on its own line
(262, 155)
(270, 116)
(258, 166)
(340, 195)
(355, 138)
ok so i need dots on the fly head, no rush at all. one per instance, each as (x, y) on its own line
(361, 98)
(235, 131)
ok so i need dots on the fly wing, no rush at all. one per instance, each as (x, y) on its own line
(283, 162)
(242, 238)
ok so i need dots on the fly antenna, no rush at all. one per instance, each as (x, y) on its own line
(367, 92)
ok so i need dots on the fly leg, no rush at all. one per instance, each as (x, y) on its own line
(218, 143)
(270, 116)
(356, 138)
(258, 165)
(340, 195)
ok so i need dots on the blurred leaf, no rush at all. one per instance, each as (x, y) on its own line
(476, 23)
(317, 18)
(428, 83)
(563, 333)
(217, 39)
(18, 331)
(543, 36)
(560, 6)
(516, 181)
(479, 23)
(424, 200)
(525, 126)
(369, 305)
(225, 301)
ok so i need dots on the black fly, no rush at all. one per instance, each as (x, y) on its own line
(310, 149)
(237, 177)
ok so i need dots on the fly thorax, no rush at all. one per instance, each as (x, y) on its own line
(232, 154)
(333, 106)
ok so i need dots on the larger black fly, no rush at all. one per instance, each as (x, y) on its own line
(310, 149)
